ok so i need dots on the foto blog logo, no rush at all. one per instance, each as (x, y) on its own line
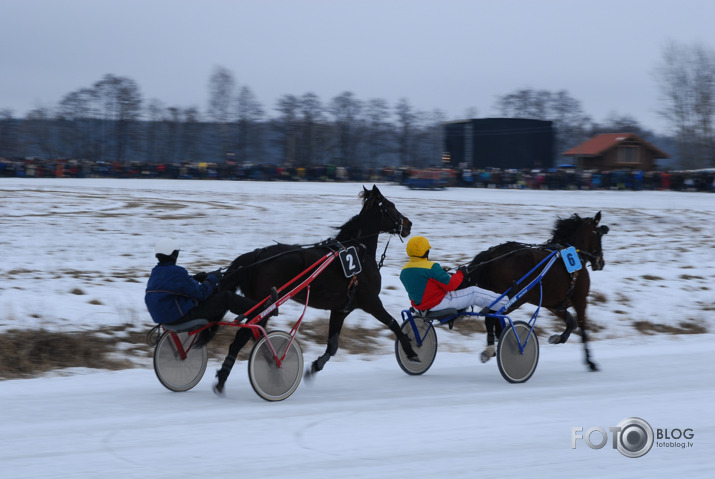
(633, 437)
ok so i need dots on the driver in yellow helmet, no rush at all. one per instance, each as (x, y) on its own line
(429, 286)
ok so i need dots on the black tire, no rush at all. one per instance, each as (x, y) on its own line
(515, 366)
(173, 372)
(268, 380)
(426, 352)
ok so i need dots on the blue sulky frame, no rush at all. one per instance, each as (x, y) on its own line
(572, 263)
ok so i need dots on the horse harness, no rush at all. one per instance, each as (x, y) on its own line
(548, 247)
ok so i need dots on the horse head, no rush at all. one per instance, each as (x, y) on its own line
(585, 235)
(391, 220)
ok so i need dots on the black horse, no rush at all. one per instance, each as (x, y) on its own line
(500, 267)
(258, 272)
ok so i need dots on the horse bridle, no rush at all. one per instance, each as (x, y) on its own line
(397, 219)
(598, 254)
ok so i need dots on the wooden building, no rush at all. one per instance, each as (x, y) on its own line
(615, 151)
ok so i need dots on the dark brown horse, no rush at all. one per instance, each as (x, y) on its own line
(257, 272)
(501, 267)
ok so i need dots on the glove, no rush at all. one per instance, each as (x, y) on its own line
(218, 274)
(200, 277)
(463, 269)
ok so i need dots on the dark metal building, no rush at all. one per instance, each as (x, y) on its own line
(499, 143)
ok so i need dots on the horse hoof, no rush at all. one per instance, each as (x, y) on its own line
(310, 373)
(487, 354)
(218, 389)
(414, 359)
(555, 339)
(592, 366)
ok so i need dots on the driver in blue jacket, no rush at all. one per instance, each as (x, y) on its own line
(173, 295)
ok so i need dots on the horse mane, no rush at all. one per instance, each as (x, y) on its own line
(351, 226)
(565, 228)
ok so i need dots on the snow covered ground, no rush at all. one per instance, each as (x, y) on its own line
(77, 254)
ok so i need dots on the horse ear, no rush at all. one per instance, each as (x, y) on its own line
(364, 193)
(597, 218)
(377, 191)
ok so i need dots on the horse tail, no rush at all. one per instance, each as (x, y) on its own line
(237, 275)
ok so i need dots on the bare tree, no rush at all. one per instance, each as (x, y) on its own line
(250, 132)
(471, 112)
(346, 110)
(286, 126)
(120, 102)
(432, 138)
(155, 146)
(377, 114)
(311, 138)
(221, 106)
(8, 134)
(406, 118)
(686, 78)
(77, 113)
(40, 129)
(191, 134)
(618, 123)
(571, 123)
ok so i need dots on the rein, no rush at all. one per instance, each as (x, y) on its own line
(396, 230)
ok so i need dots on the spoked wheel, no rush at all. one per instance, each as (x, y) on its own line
(173, 372)
(516, 366)
(426, 352)
(271, 382)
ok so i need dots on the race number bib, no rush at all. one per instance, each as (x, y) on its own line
(350, 261)
(571, 259)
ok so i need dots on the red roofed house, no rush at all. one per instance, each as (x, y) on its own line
(613, 151)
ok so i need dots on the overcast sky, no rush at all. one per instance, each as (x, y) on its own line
(439, 54)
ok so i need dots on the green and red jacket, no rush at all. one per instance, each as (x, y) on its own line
(427, 283)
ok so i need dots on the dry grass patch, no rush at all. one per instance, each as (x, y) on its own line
(596, 297)
(649, 328)
(25, 354)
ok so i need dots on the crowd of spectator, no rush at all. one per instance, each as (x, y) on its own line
(552, 179)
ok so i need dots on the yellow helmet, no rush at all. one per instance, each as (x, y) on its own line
(417, 246)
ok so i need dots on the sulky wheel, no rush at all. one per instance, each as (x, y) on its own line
(271, 382)
(173, 372)
(426, 352)
(515, 366)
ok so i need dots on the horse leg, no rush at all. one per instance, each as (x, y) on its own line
(592, 366)
(490, 351)
(243, 335)
(336, 325)
(380, 313)
(568, 319)
(581, 313)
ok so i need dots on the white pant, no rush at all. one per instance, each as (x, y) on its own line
(471, 296)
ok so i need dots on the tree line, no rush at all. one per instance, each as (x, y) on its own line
(110, 121)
